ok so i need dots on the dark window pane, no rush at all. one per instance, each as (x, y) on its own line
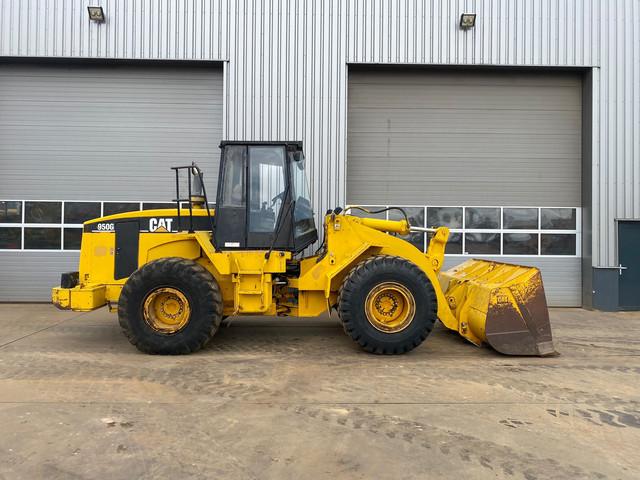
(558, 244)
(454, 244)
(111, 208)
(520, 244)
(415, 215)
(233, 182)
(482, 217)
(10, 212)
(10, 237)
(43, 212)
(483, 243)
(357, 212)
(41, 238)
(154, 206)
(267, 175)
(416, 218)
(416, 239)
(80, 212)
(444, 217)
(72, 238)
(525, 218)
(558, 218)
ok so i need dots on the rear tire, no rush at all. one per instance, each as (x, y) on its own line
(189, 294)
(387, 305)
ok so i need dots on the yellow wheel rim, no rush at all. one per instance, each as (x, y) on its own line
(166, 310)
(390, 307)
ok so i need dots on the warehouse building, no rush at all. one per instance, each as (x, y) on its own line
(516, 124)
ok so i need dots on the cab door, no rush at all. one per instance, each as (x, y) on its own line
(269, 209)
(231, 206)
(253, 210)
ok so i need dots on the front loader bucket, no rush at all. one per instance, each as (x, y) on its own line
(501, 304)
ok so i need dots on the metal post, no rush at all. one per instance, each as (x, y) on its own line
(190, 208)
(178, 199)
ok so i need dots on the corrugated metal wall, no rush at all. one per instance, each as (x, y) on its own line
(286, 75)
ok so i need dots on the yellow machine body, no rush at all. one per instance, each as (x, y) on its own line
(483, 301)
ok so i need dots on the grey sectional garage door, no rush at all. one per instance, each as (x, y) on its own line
(466, 139)
(96, 134)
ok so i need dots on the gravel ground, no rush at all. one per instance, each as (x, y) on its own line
(293, 398)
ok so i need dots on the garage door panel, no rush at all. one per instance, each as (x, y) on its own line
(461, 138)
(469, 98)
(128, 139)
(437, 120)
(128, 116)
(28, 277)
(470, 180)
(470, 143)
(430, 192)
(463, 76)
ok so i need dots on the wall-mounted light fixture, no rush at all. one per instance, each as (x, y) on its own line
(96, 14)
(467, 20)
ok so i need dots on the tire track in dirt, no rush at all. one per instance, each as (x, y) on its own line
(499, 459)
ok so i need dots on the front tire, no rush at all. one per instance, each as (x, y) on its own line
(387, 305)
(170, 306)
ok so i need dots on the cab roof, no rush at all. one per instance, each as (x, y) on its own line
(291, 144)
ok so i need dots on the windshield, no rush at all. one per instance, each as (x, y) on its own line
(302, 212)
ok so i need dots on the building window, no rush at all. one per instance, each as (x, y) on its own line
(454, 245)
(42, 212)
(487, 231)
(79, 212)
(46, 225)
(444, 217)
(416, 217)
(41, 238)
(520, 244)
(494, 231)
(72, 238)
(157, 205)
(520, 218)
(482, 217)
(112, 208)
(10, 238)
(558, 244)
(558, 218)
(10, 212)
(482, 243)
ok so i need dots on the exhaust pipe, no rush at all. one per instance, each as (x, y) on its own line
(197, 193)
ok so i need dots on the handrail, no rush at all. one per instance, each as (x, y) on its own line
(193, 169)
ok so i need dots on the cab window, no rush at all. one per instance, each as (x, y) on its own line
(267, 187)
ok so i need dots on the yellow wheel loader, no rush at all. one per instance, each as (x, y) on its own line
(174, 274)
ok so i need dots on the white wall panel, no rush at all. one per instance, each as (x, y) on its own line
(287, 60)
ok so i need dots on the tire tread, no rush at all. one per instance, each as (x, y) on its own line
(357, 276)
(205, 290)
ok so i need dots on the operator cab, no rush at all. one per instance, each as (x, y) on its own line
(263, 199)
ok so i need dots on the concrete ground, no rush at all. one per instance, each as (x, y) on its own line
(292, 399)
